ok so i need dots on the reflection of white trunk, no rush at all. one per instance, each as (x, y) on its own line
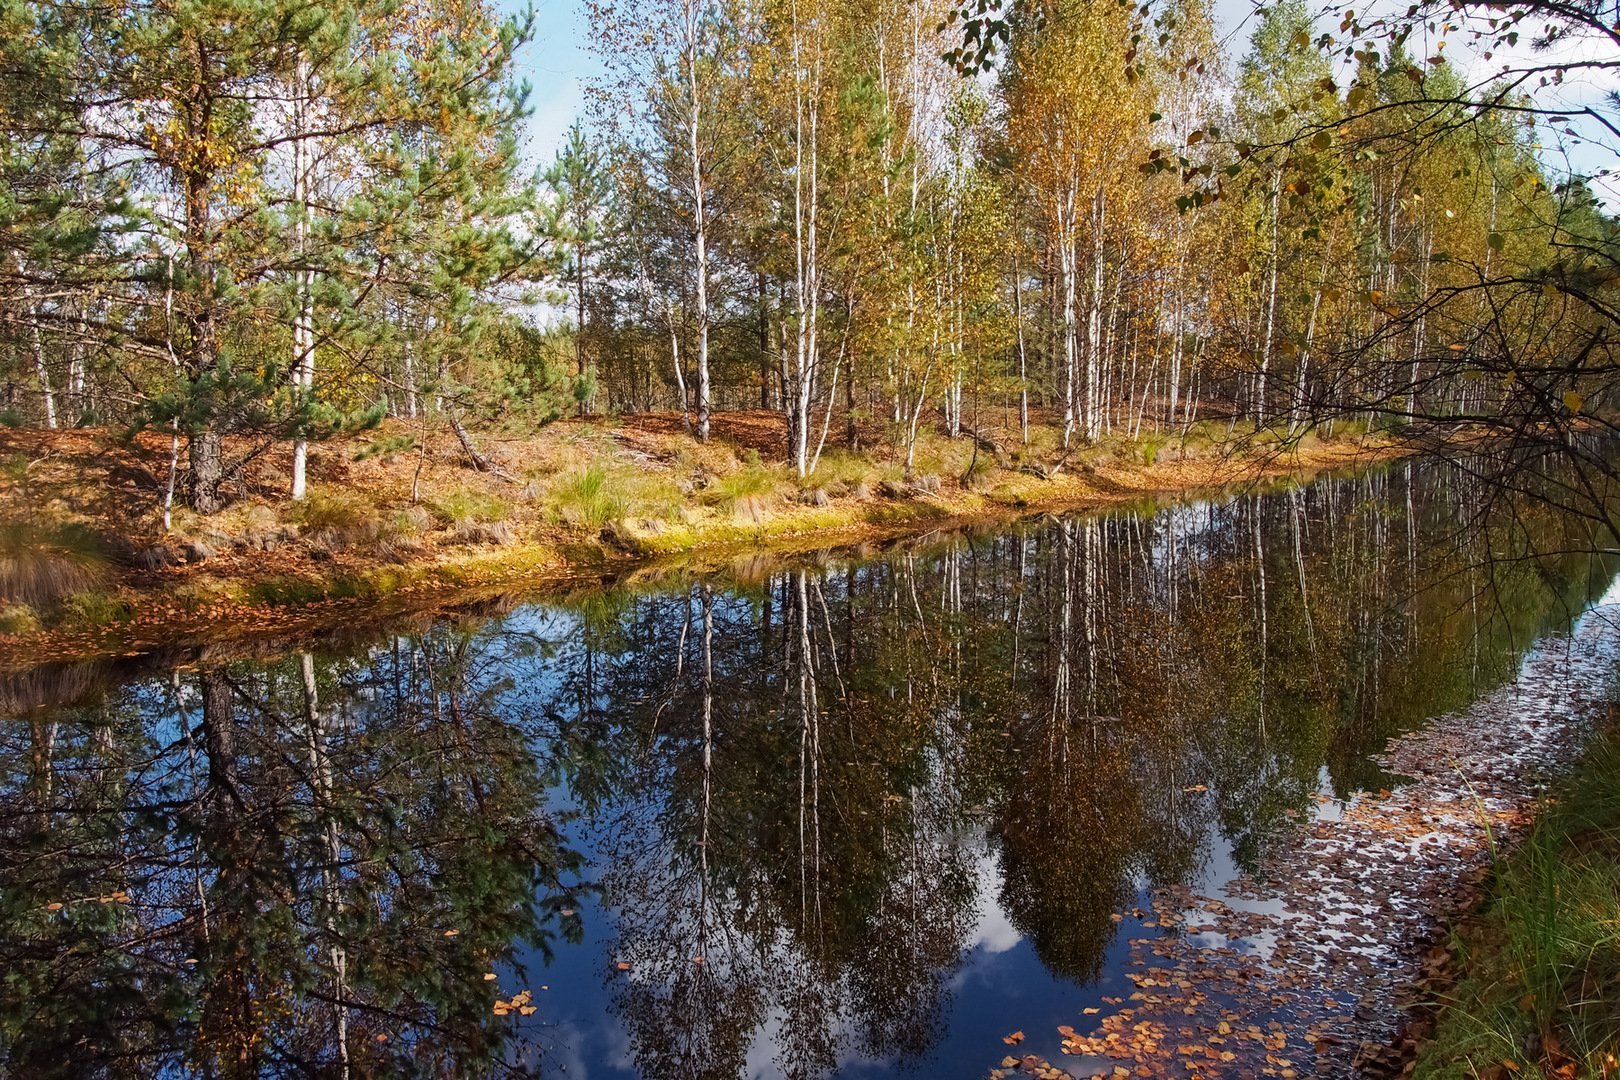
(1265, 629)
(1062, 699)
(708, 763)
(1296, 514)
(809, 763)
(320, 773)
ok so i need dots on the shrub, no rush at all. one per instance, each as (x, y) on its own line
(325, 511)
(92, 609)
(1150, 444)
(18, 619)
(839, 472)
(498, 533)
(333, 523)
(41, 564)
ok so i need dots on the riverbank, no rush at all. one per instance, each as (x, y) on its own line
(400, 520)
(1531, 985)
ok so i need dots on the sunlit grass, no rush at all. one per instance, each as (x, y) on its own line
(1541, 971)
(43, 563)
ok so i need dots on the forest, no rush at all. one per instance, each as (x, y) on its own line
(247, 226)
(966, 537)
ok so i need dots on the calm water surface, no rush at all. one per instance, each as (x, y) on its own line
(858, 816)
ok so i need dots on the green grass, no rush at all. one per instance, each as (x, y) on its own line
(1541, 970)
(19, 620)
(467, 507)
(89, 610)
(745, 490)
(589, 496)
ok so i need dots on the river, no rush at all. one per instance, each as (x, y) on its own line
(906, 811)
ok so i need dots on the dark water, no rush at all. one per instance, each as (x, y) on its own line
(859, 816)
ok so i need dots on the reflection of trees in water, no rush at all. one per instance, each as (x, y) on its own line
(1069, 689)
(793, 785)
(256, 867)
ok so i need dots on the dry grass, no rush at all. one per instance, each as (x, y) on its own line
(42, 564)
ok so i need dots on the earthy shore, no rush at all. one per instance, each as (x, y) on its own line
(414, 528)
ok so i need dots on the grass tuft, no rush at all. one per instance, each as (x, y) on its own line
(745, 491)
(589, 497)
(44, 563)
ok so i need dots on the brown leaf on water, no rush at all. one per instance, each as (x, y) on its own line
(1014, 1039)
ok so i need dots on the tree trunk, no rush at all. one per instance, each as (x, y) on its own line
(700, 249)
(207, 471)
(304, 321)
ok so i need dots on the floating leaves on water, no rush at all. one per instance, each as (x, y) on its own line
(519, 1003)
(1014, 1039)
(1348, 904)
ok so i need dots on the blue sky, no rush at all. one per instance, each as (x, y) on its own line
(558, 63)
